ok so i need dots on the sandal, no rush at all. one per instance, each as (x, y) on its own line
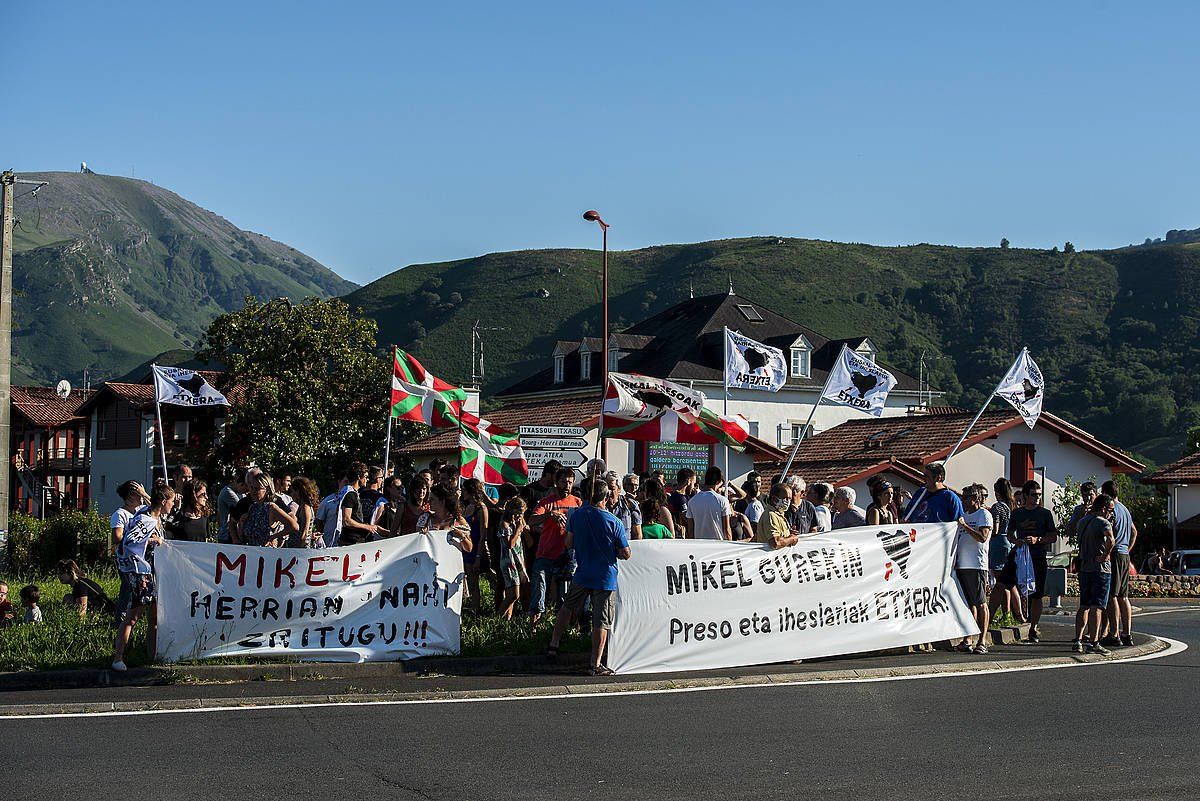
(980, 649)
(601, 670)
(963, 647)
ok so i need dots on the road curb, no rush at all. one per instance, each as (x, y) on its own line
(621, 684)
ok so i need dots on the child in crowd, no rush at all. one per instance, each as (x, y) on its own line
(7, 613)
(30, 595)
(513, 531)
(85, 595)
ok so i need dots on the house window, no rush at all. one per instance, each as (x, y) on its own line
(613, 356)
(179, 435)
(1020, 464)
(866, 350)
(585, 365)
(789, 432)
(750, 313)
(801, 366)
(558, 369)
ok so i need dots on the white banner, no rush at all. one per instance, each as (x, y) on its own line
(693, 604)
(752, 365)
(1024, 387)
(857, 381)
(398, 598)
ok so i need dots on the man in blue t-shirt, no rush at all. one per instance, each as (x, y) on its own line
(1118, 618)
(599, 540)
(935, 503)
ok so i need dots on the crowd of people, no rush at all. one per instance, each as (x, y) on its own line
(551, 547)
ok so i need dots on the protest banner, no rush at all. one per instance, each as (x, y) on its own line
(398, 598)
(695, 604)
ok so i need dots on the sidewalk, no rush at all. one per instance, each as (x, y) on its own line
(451, 679)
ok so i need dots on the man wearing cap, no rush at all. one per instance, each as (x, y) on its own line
(135, 500)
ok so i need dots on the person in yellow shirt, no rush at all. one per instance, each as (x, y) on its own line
(773, 527)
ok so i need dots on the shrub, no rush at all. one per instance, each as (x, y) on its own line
(36, 546)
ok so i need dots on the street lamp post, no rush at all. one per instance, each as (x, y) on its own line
(594, 216)
(1175, 515)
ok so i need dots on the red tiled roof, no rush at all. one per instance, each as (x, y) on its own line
(921, 438)
(1181, 472)
(840, 472)
(570, 411)
(141, 396)
(42, 406)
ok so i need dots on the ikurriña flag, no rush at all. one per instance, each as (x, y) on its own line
(1024, 388)
(490, 453)
(641, 407)
(420, 396)
(858, 382)
(182, 387)
(752, 365)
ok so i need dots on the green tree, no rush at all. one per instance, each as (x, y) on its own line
(306, 385)
(1003, 244)
(1068, 248)
(1193, 440)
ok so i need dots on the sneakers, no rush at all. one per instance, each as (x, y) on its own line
(1034, 636)
(119, 666)
(1127, 640)
(1077, 646)
(601, 670)
(1097, 648)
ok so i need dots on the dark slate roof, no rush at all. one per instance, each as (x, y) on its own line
(42, 406)
(684, 343)
(840, 472)
(1183, 471)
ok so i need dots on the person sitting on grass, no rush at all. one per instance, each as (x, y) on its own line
(84, 594)
(30, 595)
(137, 575)
(6, 608)
(599, 540)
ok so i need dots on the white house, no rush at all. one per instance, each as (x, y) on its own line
(999, 446)
(1181, 480)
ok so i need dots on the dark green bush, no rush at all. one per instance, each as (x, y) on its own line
(36, 546)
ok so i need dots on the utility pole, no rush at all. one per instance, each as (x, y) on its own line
(8, 182)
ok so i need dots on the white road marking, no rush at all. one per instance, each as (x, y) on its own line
(1166, 612)
(1173, 647)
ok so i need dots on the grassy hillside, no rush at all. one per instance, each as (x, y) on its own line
(1114, 331)
(108, 271)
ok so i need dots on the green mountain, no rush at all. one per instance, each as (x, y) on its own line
(1117, 333)
(108, 272)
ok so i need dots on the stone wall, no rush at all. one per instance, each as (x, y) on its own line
(1152, 586)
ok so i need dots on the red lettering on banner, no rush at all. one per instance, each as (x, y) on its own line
(238, 564)
(281, 571)
(346, 574)
(314, 570)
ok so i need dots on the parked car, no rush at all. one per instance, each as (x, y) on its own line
(1185, 563)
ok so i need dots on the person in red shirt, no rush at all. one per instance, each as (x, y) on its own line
(551, 557)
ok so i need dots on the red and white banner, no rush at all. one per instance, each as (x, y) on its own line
(398, 598)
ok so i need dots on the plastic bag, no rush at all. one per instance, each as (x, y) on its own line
(1026, 581)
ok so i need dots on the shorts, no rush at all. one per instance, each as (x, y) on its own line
(137, 589)
(1093, 590)
(1120, 576)
(1008, 575)
(602, 605)
(974, 585)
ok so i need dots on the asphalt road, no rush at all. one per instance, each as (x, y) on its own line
(1119, 731)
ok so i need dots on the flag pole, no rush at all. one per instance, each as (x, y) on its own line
(387, 447)
(725, 381)
(912, 505)
(811, 415)
(162, 437)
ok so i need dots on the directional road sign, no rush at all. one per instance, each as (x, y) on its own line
(550, 443)
(567, 458)
(551, 431)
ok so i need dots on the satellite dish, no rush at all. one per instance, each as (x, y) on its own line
(63, 390)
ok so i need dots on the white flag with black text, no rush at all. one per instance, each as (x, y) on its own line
(859, 382)
(753, 365)
(183, 387)
(1024, 388)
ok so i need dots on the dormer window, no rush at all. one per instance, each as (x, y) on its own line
(614, 356)
(559, 368)
(866, 350)
(585, 363)
(801, 358)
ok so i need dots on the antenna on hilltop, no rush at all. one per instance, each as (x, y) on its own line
(477, 341)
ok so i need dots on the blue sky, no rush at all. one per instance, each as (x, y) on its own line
(375, 135)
